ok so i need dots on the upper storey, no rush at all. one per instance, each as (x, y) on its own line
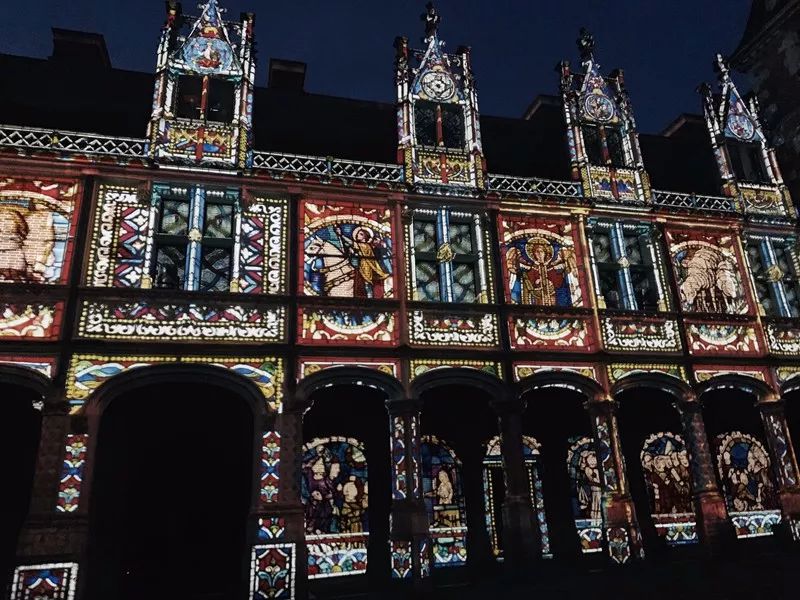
(582, 147)
(203, 98)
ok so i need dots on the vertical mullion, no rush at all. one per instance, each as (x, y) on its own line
(662, 301)
(778, 293)
(484, 293)
(445, 266)
(195, 246)
(623, 273)
(236, 232)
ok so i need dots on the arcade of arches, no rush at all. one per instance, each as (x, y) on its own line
(362, 481)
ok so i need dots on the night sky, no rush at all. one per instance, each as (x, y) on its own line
(666, 47)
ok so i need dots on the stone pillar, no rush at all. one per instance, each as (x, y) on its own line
(55, 534)
(277, 530)
(621, 526)
(521, 536)
(713, 524)
(784, 461)
(409, 536)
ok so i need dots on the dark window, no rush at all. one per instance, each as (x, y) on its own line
(190, 93)
(642, 272)
(426, 115)
(774, 271)
(747, 161)
(221, 97)
(426, 267)
(593, 145)
(616, 153)
(601, 141)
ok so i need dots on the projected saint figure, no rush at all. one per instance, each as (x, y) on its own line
(542, 272)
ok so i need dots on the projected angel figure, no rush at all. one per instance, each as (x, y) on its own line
(542, 272)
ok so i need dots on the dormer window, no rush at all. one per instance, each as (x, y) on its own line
(220, 95)
(603, 145)
(438, 124)
(747, 161)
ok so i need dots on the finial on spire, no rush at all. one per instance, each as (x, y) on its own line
(432, 19)
(721, 66)
(585, 43)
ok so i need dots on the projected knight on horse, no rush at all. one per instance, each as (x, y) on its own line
(348, 260)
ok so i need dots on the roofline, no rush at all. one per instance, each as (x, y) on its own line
(742, 55)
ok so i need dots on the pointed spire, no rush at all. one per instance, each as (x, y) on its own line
(431, 19)
(208, 49)
(721, 67)
(585, 44)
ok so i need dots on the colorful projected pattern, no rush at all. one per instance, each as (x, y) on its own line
(744, 470)
(334, 491)
(708, 272)
(540, 263)
(37, 229)
(587, 492)
(400, 488)
(722, 338)
(348, 251)
(40, 321)
(337, 327)
(52, 581)
(523, 370)
(309, 366)
(69, 487)
(181, 321)
(87, 372)
(665, 465)
(626, 335)
(272, 569)
(493, 485)
(617, 371)
(263, 245)
(271, 529)
(444, 501)
(551, 333)
(432, 329)
(270, 467)
(418, 367)
(41, 364)
(401, 559)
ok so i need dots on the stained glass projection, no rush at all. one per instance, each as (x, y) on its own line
(494, 492)
(447, 262)
(335, 496)
(707, 272)
(665, 465)
(540, 263)
(348, 251)
(587, 492)
(444, 501)
(744, 470)
(36, 230)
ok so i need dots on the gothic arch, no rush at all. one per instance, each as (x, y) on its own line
(495, 388)
(677, 388)
(563, 379)
(346, 375)
(27, 378)
(760, 389)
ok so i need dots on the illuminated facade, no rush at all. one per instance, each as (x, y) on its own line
(194, 251)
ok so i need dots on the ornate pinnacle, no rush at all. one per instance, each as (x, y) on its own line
(585, 43)
(432, 19)
(721, 66)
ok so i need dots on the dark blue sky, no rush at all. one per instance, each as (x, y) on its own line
(665, 46)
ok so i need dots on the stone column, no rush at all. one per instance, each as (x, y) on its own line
(784, 461)
(409, 536)
(277, 533)
(521, 536)
(621, 526)
(713, 524)
(56, 533)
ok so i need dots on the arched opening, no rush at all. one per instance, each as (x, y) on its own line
(346, 489)
(456, 421)
(742, 463)
(172, 487)
(657, 466)
(556, 418)
(20, 430)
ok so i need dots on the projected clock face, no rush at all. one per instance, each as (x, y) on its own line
(438, 85)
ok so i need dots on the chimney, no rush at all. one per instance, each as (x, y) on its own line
(287, 75)
(80, 48)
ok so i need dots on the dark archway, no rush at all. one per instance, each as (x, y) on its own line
(20, 430)
(457, 419)
(346, 462)
(172, 478)
(657, 464)
(555, 416)
(790, 392)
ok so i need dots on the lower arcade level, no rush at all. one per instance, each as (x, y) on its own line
(333, 476)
